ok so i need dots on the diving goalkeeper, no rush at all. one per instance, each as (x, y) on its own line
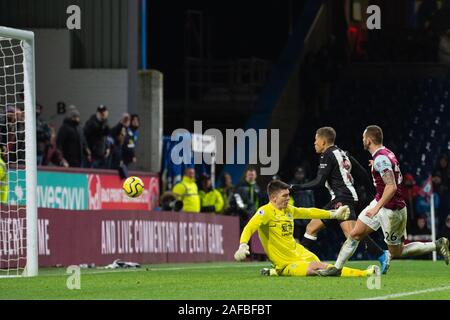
(275, 224)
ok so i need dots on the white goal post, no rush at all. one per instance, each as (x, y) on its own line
(18, 107)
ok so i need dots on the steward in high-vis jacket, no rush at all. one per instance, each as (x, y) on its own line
(187, 191)
(211, 199)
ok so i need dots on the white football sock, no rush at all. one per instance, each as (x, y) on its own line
(347, 250)
(418, 248)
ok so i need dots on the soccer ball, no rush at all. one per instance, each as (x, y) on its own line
(133, 187)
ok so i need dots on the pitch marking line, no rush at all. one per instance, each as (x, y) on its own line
(404, 294)
(106, 271)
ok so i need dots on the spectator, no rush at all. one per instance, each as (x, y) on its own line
(423, 204)
(442, 171)
(420, 228)
(20, 136)
(304, 198)
(410, 191)
(169, 202)
(71, 142)
(425, 12)
(234, 205)
(14, 137)
(445, 231)
(420, 232)
(250, 193)
(438, 187)
(134, 127)
(227, 191)
(52, 155)
(444, 48)
(129, 152)
(96, 131)
(128, 146)
(116, 159)
(187, 191)
(211, 200)
(43, 135)
(124, 123)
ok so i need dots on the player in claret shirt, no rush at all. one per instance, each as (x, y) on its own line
(387, 210)
(275, 225)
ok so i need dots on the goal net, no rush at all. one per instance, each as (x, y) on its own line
(18, 214)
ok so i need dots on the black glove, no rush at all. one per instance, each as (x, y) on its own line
(295, 188)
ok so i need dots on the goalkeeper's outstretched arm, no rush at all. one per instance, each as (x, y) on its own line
(252, 226)
(342, 213)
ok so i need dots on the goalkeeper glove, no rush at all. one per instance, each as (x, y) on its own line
(242, 252)
(342, 213)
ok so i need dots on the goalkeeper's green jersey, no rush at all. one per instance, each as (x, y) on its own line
(276, 228)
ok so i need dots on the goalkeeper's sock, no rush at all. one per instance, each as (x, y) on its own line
(372, 247)
(350, 272)
(308, 241)
(418, 248)
(347, 250)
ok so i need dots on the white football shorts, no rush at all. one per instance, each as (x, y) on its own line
(392, 222)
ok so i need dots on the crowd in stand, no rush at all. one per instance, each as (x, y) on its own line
(419, 203)
(12, 134)
(199, 195)
(421, 37)
(94, 145)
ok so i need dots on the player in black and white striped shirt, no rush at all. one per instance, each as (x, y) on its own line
(335, 173)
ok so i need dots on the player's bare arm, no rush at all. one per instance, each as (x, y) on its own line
(388, 193)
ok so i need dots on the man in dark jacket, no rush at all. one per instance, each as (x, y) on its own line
(70, 140)
(116, 160)
(96, 131)
(124, 123)
(445, 231)
(43, 135)
(52, 155)
(129, 152)
(134, 127)
(303, 198)
(128, 145)
(250, 193)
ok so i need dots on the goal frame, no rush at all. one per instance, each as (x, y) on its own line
(28, 42)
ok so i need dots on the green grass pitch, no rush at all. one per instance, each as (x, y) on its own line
(408, 279)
